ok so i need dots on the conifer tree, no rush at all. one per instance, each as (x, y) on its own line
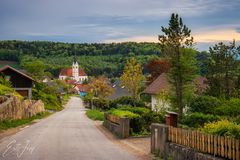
(175, 44)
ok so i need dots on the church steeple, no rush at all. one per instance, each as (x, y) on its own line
(75, 69)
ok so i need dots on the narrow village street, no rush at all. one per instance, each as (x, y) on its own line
(66, 135)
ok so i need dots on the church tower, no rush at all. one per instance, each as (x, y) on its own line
(75, 69)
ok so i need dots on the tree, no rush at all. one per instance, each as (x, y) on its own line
(177, 37)
(156, 67)
(35, 68)
(223, 70)
(132, 77)
(100, 87)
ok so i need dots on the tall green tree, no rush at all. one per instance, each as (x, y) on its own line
(35, 68)
(223, 70)
(132, 77)
(176, 38)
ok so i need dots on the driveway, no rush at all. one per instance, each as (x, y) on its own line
(66, 135)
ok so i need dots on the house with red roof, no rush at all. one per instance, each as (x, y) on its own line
(82, 89)
(74, 73)
(160, 88)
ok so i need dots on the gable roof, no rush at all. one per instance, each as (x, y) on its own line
(161, 84)
(15, 70)
(82, 87)
(68, 72)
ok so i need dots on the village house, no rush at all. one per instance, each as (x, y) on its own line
(20, 81)
(81, 89)
(160, 87)
(75, 73)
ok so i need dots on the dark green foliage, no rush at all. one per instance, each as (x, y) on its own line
(100, 103)
(230, 108)
(125, 100)
(95, 114)
(204, 104)
(202, 62)
(48, 95)
(94, 58)
(140, 118)
(223, 70)
(197, 119)
(44, 48)
(5, 124)
(10, 55)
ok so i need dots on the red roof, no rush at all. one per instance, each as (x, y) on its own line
(71, 81)
(68, 72)
(162, 84)
(83, 87)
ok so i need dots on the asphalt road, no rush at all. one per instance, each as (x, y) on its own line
(66, 135)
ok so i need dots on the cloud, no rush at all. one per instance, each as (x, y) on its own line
(134, 39)
(217, 35)
(115, 20)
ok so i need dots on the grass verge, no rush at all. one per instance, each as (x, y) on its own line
(6, 124)
(95, 114)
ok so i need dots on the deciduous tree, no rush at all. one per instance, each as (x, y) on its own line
(156, 67)
(132, 77)
(100, 87)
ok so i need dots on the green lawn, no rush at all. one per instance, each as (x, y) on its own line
(95, 114)
(6, 124)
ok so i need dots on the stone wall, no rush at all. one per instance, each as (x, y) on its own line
(14, 108)
(179, 152)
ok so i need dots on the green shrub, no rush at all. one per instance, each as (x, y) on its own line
(229, 108)
(137, 110)
(95, 114)
(125, 100)
(5, 124)
(5, 90)
(140, 118)
(122, 113)
(51, 99)
(223, 128)
(197, 119)
(204, 104)
(100, 103)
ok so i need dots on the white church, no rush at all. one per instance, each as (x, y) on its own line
(74, 73)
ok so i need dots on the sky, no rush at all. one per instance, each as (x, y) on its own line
(106, 21)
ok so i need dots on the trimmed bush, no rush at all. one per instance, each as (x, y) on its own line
(223, 128)
(95, 114)
(140, 118)
(204, 104)
(137, 110)
(102, 104)
(122, 113)
(197, 119)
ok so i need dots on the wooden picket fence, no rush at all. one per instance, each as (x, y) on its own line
(219, 146)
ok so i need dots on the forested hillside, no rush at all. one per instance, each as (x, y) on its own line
(96, 58)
